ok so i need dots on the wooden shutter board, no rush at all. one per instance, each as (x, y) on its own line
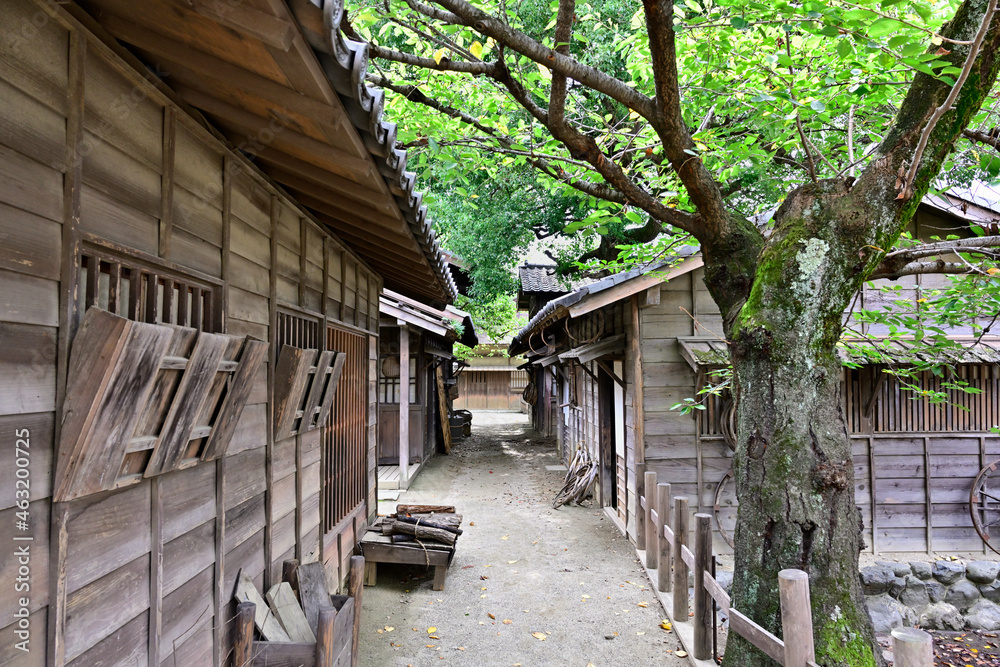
(316, 388)
(313, 591)
(264, 619)
(290, 615)
(99, 461)
(210, 407)
(97, 345)
(155, 411)
(332, 380)
(186, 405)
(251, 358)
(291, 376)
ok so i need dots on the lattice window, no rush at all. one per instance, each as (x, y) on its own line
(345, 435)
(388, 381)
(518, 380)
(147, 292)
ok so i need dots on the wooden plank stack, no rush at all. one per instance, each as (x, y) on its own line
(322, 631)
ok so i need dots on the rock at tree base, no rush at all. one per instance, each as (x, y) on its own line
(887, 613)
(948, 572)
(984, 615)
(941, 616)
(982, 571)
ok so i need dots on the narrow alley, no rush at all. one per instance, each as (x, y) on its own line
(529, 585)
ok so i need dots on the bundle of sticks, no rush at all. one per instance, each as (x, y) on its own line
(579, 478)
(423, 523)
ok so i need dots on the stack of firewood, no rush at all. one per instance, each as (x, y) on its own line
(423, 523)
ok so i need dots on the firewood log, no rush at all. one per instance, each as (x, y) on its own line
(429, 524)
(424, 509)
(425, 532)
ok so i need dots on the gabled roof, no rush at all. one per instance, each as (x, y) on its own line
(450, 323)
(542, 278)
(606, 291)
(284, 86)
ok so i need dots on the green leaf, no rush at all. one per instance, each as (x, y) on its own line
(884, 27)
(817, 106)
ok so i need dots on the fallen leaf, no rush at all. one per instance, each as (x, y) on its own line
(540, 636)
(429, 645)
(460, 648)
(665, 624)
(389, 628)
(511, 562)
(681, 654)
(642, 604)
(433, 637)
(640, 633)
(492, 616)
(380, 631)
(466, 567)
(507, 621)
(472, 523)
(431, 629)
(503, 537)
(586, 597)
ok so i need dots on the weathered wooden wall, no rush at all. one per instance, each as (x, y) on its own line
(493, 389)
(94, 157)
(920, 460)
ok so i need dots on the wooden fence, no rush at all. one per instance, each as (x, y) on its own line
(665, 541)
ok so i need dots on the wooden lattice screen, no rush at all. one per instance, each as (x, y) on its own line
(147, 292)
(144, 399)
(345, 435)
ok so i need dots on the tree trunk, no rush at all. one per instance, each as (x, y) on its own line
(793, 467)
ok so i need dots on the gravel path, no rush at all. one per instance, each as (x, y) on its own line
(529, 585)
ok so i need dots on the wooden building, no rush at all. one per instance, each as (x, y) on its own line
(415, 351)
(199, 207)
(490, 380)
(611, 358)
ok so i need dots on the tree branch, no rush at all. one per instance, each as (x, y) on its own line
(445, 65)
(502, 33)
(564, 29)
(970, 60)
(915, 268)
(978, 244)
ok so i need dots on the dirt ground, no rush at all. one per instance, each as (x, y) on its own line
(529, 585)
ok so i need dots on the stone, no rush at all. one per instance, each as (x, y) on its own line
(962, 595)
(898, 584)
(921, 570)
(982, 571)
(941, 616)
(898, 569)
(876, 579)
(948, 572)
(991, 591)
(984, 615)
(914, 594)
(935, 590)
(887, 613)
(725, 579)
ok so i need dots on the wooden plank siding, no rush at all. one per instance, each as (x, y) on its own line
(139, 182)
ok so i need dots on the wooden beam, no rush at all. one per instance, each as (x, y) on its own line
(298, 175)
(214, 72)
(250, 22)
(345, 209)
(263, 134)
(167, 181)
(634, 286)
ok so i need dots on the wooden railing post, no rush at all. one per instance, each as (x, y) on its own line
(912, 648)
(702, 608)
(796, 617)
(652, 543)
(243, 634)
(640, 522)
(324, 637)
(357, 587)
(680, 568)
(663, 573)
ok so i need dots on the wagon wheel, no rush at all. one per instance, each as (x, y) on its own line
(984, 505)
(727, 422)
(724, 499)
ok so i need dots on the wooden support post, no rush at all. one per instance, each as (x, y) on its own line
(796, 618)
(912, 647)
(663, 572)
(702, 605)
(680, 568)
(404, 406)
(243, 634)
(357, 586)
(290, 573)
(640, 515)
(652, 544)
(324, 637)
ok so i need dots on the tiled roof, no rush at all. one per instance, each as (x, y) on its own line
(543, 278)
